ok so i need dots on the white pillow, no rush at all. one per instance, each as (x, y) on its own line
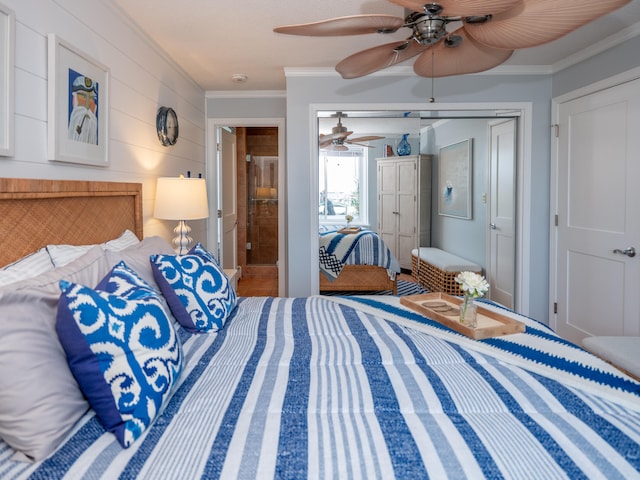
(63, 254)
(27, 267)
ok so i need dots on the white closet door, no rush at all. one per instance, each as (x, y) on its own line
(407, 188)
(598, 201)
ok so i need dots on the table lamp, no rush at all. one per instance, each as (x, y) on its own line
(182, 199)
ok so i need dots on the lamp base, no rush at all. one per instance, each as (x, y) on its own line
(182, 240)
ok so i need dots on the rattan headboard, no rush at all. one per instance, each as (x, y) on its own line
(34, 213)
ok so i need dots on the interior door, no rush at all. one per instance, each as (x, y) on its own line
(228, 201)
(387, 207)
(502, 210)
(598, 221)
(407, 211)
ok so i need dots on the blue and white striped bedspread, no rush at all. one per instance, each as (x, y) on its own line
(314, 388)
(362, 248)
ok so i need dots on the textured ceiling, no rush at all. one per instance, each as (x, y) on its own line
(213, 40)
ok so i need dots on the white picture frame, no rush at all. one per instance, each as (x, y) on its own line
(78, 115)
(455, 180)
(7, 74)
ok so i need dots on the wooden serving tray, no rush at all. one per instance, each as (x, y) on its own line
(489, 323)
(350, 230)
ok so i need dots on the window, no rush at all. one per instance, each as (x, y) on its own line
(343, 185)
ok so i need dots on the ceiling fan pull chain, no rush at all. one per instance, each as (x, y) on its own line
(432, 99)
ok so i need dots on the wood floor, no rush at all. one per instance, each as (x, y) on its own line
(258, 287)
(268, 286)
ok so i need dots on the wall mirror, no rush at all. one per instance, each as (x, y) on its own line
(347, 172)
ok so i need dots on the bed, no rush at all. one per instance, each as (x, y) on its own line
(356, 262)
(340, 387)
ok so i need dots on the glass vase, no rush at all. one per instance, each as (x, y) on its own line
(469, 312)
(404, 148)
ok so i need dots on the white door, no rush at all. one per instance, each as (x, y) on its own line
(502, 209)
(597, 205)
(407, 188)
(387, 207)
(228, 202)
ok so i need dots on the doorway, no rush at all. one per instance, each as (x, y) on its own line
(260, 247)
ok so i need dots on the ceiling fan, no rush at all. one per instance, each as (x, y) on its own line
(338, 140)
(454, 37)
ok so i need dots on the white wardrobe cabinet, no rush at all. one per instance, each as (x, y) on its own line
(404, 204)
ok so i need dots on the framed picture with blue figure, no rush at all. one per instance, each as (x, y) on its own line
(78, 106)
(455, 180)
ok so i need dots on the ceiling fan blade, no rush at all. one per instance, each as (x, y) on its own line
(334, 136)
(536, 22)
(336, 148)
(376, 58)
(351, 25)
(461, 8)
(360, 144)
(468, 57)
(368, 138)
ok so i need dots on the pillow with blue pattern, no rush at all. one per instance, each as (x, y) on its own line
(121, 348)
(196, 288)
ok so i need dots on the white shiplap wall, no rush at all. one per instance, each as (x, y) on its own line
(142, 79)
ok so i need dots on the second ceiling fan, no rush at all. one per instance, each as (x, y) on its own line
(338, 140)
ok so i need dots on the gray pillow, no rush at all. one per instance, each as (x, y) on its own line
(137, 257)
(39, 398)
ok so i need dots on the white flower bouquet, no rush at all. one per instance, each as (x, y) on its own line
(473, 285)
(349, 219)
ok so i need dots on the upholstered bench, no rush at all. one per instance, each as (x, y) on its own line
(621, 352)
(436, 270)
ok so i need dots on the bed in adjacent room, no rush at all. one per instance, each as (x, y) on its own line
(356, 260)
(317, 387)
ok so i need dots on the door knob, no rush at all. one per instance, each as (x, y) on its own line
(629, 251)
(492, 226)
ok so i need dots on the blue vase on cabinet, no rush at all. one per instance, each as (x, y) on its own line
(404, 148)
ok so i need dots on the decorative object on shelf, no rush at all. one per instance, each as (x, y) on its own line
(78, 106)
(167, 126)
(404, 148)
(349, 219)
(388, 150)
(180, 198)
(473, 285)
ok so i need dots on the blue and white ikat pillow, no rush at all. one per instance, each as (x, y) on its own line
(121, 348)
(196, 289)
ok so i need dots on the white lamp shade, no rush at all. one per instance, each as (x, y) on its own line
(179, 198)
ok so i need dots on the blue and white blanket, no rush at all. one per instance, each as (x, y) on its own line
(362, 248)
(361, 387)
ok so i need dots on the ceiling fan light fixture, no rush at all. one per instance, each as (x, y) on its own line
(429, 30)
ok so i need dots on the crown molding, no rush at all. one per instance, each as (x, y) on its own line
(598, 47)
(407, 71)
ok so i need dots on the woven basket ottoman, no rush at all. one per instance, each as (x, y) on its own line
(436, 270)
